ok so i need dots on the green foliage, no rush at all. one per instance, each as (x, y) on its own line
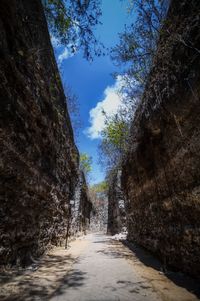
(114, 140)
(137, 44)
(135, 50)
(72, 23)
(101, 187)
(116, 132)
(58, 19)
(85, 163)
(98, 191)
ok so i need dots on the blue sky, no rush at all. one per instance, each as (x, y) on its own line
(93, 83)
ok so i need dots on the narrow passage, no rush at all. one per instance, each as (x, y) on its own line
(95, 268)
(107, 271)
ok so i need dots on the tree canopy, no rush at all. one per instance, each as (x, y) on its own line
(137, 44)
(135, 50)
(101, 187)
(114, 140)
(85, 163)
(72, 23)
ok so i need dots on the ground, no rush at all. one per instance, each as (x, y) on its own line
(97, 268)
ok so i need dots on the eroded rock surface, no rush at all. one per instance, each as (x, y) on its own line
(99, 214)
(161, 174)
(81, 208)
(39, 160)
(116, 205)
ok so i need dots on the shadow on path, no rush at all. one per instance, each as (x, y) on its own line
(149, 260)
(141, 256)
(51, 279)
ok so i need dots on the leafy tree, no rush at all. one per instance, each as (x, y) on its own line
(137, 44)
(100, 188)
(99, 192)
(98, 195)
(72, 22)
(135, 50)
(114, 140)
(85, 163)
(116, 132)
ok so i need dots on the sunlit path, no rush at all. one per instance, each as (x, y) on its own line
(108, 271)
(97, 268)
(103, 273)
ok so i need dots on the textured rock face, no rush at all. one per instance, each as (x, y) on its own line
(161, 174)
(38, 163)
(81, 208)
(116, 206)
(99, 216)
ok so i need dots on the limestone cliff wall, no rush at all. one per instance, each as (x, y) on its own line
(39, 160)
(161, 174)
(81, 208)
(116, 205)
(99, 214)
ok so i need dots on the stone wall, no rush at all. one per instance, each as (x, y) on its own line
(99, 214)
(81, 208)
(39, 160)
(161, 174)
(116, 205)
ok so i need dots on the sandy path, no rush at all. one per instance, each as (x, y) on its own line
(95, 268)
(101, 274)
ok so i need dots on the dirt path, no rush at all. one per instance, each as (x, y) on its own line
(95, 268)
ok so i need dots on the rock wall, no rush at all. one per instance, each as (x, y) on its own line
(99, 214)
(161, 174)
(81, 208)
(116, 205)
(39, 160)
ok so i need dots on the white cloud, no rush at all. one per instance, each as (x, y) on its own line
(64, 55)
(110, 105)
(55, 42)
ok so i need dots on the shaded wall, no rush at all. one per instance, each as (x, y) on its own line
(116, 205)
(161, 174)
(39, 160)
(81, 208)
(99, 214)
